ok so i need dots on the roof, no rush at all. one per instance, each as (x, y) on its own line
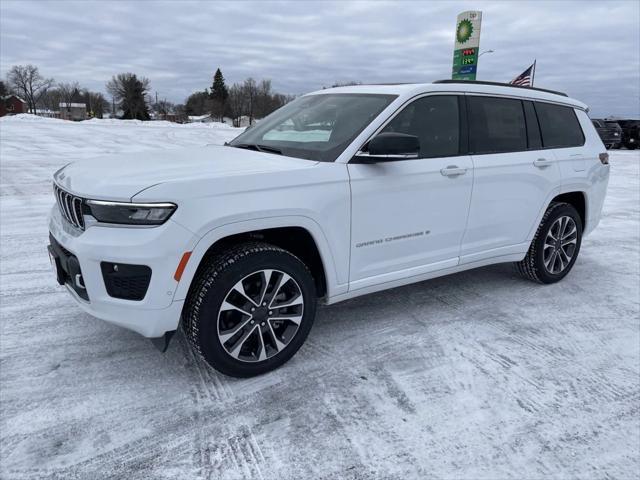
(72, 105)
(195, 118)
(408, 90)
(6, 97)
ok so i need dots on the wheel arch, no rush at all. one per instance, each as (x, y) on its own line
(571, 194)
(299, 235)
(578, 199)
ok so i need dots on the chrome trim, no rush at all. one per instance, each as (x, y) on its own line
(75, 213)
(67, 206)
(78, 281)
(107, 203)
(395, 156)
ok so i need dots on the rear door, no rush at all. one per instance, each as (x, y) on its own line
(408, 217)
(513, 176)
(562, 134)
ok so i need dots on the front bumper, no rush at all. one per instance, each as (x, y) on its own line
(160, 248)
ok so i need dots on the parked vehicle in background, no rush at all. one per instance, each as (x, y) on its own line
(609, 131)
(342, 192)
(630, 133)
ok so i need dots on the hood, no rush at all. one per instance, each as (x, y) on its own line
(121, 177)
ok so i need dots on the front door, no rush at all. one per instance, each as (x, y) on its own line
(409, 216)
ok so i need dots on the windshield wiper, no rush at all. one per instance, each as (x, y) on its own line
(258, 148)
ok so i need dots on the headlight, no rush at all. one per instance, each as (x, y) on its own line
(123, 213)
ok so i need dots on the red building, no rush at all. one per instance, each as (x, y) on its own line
(12, 105)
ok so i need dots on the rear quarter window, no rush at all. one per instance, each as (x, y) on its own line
(559, 126)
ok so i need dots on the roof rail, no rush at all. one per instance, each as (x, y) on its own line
(498, 84)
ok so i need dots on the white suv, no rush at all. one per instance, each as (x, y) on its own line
(340, 193)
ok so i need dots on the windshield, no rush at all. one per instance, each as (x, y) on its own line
(314, 127)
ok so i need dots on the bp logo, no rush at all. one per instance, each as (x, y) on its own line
(464, 31)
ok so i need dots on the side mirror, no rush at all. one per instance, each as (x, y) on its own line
(389, 147)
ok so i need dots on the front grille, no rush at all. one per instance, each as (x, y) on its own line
(70, 206)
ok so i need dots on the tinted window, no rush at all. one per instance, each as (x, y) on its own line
(315, 127)
(559, 126)
(496, 125)
(435, 121)
(533, 129)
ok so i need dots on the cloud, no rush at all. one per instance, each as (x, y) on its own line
(588, 49)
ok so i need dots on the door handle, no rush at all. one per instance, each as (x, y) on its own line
(452, 171)
(541, 163)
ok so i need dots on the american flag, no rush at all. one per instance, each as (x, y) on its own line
(525, 79)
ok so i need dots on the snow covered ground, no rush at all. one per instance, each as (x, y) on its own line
(476, 375)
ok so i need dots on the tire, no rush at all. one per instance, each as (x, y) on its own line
(241, 322)
(540, 264)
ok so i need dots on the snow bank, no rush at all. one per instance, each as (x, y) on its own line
(474, 375)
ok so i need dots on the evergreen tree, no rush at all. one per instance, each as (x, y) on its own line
(130, 93)
(219, 95)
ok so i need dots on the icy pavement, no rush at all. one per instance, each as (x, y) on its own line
(479, 375)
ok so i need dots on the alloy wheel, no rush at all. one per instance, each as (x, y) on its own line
(260, 315)
(560, 245)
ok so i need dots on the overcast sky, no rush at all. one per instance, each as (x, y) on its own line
(590, 49)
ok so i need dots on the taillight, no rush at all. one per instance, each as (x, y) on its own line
(604, 158)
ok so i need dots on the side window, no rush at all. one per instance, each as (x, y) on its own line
(496, 125)
(559, 126)
(533, 128)
(435, 121)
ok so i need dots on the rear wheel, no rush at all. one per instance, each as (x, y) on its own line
(555, 246)
(250, 309)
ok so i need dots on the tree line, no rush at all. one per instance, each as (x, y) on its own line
(132, 99)
(250, 99)
(41, 93)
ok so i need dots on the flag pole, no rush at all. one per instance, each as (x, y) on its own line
(533, 75)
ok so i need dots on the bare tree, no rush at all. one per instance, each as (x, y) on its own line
(68, 93)
(95, 102)
(50, 100)
(28, 83)
(250, 91)
(236, 103)
(4, 89)
(198, 103)
(263, 99)
(164, 108)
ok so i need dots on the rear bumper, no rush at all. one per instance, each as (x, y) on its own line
(159, 248)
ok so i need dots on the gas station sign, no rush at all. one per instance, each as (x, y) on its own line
(467, 43)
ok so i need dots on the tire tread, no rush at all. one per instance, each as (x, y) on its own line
(527, 266)
(206, 279)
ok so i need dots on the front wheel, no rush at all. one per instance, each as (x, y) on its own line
(250, 309)
(555, 246)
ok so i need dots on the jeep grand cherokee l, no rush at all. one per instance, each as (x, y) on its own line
(340, 193)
